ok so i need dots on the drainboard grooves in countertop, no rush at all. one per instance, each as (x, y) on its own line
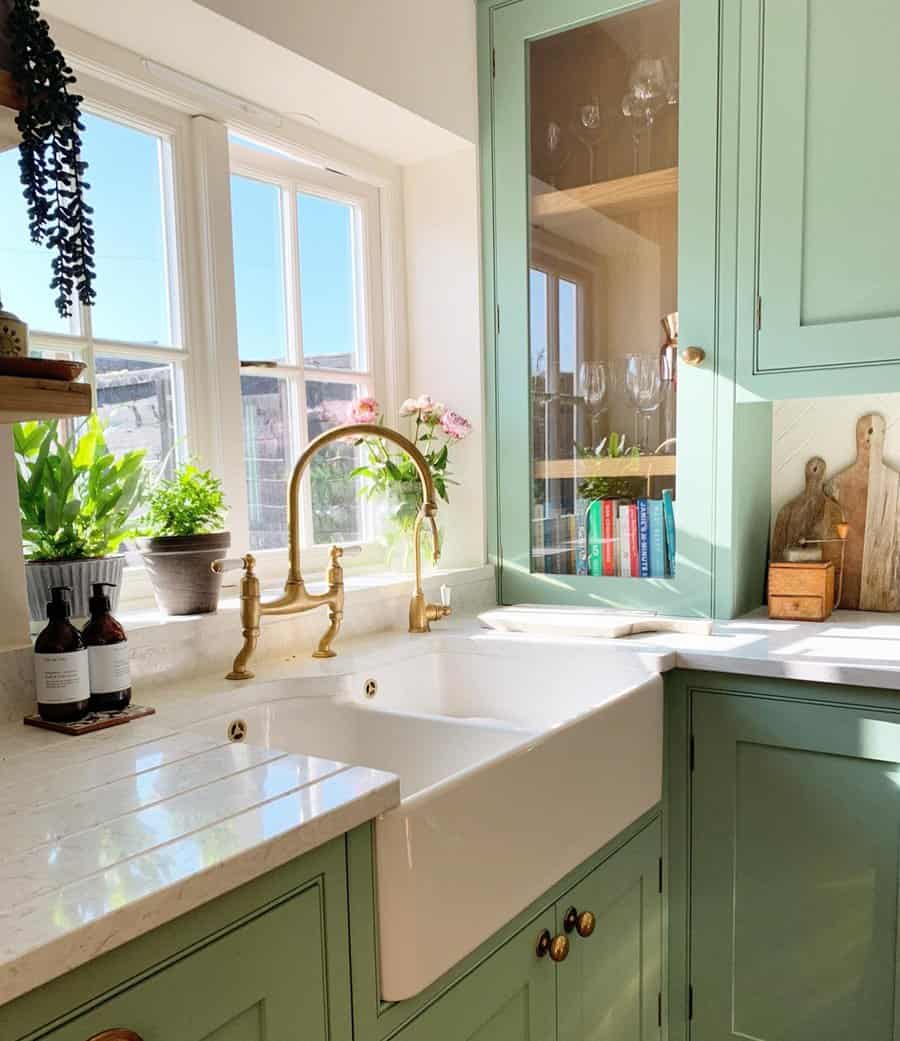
(50, 867)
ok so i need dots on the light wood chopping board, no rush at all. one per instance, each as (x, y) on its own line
(812, 515)
(869, 494)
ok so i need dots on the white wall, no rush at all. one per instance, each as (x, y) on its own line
(13, 612)
(445, 344)
(824, 427)
(418, 53)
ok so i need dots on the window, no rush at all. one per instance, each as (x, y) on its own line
(304, 254)
(133, 339)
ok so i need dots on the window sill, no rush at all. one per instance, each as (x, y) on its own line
(145, 624)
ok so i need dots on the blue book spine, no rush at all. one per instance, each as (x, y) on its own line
(581, 537)
(643, 538)
(669, 517)
(657, 539)
(595, 537)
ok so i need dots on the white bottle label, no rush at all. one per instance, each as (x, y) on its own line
(110, 671)
(60, 679)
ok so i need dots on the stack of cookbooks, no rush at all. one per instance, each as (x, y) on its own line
(632, 538)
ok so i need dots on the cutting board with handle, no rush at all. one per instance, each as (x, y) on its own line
(812, 515)
(869, 494)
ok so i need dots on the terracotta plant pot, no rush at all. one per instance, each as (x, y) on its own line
(78, 575)
(179, 568)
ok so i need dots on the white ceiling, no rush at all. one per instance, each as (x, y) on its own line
(210, 48)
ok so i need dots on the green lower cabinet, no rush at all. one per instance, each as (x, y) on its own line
(794, 852)
(609, 986)
(267, 962)
(262, 982)
(510, 997)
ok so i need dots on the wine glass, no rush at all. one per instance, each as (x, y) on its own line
(644, 388)
(554, 153)
(593, 386)
(650, 88)
(591, 130)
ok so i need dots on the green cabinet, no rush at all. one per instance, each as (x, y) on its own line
(607, 987)
(605, 212)
(790, 805)
(819, 155)
(266, 962)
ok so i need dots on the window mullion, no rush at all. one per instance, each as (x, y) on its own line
(297, 379)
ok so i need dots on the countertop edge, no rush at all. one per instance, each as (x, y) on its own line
(35, 968)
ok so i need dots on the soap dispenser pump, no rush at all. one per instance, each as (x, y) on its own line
(61, 665)
(107, 647)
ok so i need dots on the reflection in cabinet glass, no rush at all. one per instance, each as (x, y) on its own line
(603, 211)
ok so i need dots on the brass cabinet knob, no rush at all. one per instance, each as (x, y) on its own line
(559, 948)
(117, 1034)
(542, 947)
(693, 355)
(586, 923)
(583, 923)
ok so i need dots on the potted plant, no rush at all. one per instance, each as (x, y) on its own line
(184, 523)
(77, 502)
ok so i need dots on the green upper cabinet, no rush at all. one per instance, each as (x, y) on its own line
(820, 155)
(794, 870)
(603, 219)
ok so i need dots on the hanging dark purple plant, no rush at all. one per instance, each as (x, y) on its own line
(52, 170)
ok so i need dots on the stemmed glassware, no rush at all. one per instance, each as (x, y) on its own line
(651, 86)
(554, 153)
(591, 130)
(593, 386)
(644, 388)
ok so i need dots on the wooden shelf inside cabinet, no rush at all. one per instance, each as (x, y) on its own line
(639, 466)
(613, 198)
(22, 399)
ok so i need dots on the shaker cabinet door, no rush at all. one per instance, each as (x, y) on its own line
(821, 81)
(795, 861)
(609, 986)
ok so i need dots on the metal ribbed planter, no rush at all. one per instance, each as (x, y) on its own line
(79, 575)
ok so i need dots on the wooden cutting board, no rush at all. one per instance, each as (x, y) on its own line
(869, 494)
(812, 515)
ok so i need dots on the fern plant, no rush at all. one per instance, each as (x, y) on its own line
(76, 498)
(191, 503)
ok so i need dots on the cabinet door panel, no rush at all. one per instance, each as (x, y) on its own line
(265, 981)
(610, 983)
(795, 871)
(829, 267)
(509, 997)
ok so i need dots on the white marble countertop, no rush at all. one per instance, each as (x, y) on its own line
(109, 835)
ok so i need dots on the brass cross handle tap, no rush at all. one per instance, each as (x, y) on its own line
(295, 597)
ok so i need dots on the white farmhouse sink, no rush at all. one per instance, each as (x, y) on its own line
(516, 763)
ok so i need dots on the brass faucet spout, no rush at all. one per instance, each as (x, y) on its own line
(295, 597)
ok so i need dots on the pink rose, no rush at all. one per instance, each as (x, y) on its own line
(409, 407)
(455, 426)
(365, 410)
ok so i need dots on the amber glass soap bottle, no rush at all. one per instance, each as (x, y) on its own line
(107, 647)
(61, 665)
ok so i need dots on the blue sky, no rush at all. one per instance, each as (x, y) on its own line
(124, 174)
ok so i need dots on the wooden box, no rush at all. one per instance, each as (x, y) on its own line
(801, 592)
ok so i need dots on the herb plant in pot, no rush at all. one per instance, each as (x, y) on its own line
(184, 523)
(77, 503)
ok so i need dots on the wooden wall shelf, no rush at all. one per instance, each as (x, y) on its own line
(9, 96)
(642, 466)
(613, 198)
(22, 399)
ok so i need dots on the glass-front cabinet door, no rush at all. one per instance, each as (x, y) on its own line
(605, 427)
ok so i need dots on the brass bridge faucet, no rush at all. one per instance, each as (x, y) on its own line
(295, 598)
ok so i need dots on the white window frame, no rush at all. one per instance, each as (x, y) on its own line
(174, 128)
(293, 176)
